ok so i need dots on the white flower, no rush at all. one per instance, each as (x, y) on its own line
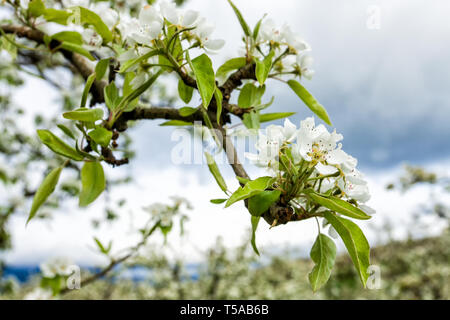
(161, 212)
(268, 145)
(284, 36)
(282, 134)
(354, 186)
(127, 55)
(75, 3)
(203, 31)
(151, 23)
(125, 26)
(305, 63)
(318, 145)
(169, 11)
(109, 16)
(92, 39)
(156, 208)
(294, 41)
(143, 30)
(270, 32)
(173, 15)
(327, 184)
(188, 18)
(56, 267)
(39, 294)
(267, 155)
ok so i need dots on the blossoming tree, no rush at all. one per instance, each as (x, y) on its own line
(123, 49)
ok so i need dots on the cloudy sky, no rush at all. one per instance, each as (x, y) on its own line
(385, 88)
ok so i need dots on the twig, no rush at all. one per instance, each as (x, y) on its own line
(115, 262)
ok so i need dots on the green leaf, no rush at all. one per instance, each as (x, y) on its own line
(263, 106)
(112, 98)
(274, 116)
(263, 67)
(242, 180)
(206, 81)
(215, 172)
(101, 68)
(84, 114)
(260, 203)
(130, 63)
(176, 123)
(251, 120)
(340, 206)
(258, 27)
(250, 189)
(255, 222)
(66, 131)
(91, 18)
(87, 88)
(219, 100)
(68, 36)
(187, 111)
(93, 182)
(101, 136)
(44, 191)
(218, 201)
(4, 177)
(58, 146)
(175, 49)
(56, 16)
(309, 100)
(355, 242)
(78, 49)
(127, 86)
(7, 42)
(129, 98)
(185, 91)
(230, 65)
(244, 24)
(250, 95)
(128, 89)
(323, 253)
(103, 249)
(36, 8)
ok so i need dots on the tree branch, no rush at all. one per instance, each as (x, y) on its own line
(278, 214)
(81, 64)
(235, 80)
(115, 262)
(231, 153)
(151, 113)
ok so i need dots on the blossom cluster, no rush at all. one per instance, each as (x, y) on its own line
(39, 294)
(293, 49)
(317, 159)
(142, 30)
(150, 25)
(164, 213)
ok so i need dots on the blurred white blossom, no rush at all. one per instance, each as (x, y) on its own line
(56, 267)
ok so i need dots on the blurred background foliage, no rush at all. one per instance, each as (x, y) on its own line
(410, 269)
